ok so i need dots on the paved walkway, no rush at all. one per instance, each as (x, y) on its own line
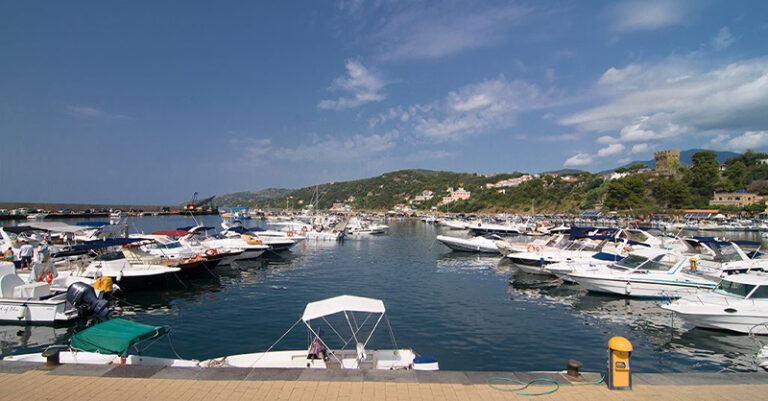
(70, 383)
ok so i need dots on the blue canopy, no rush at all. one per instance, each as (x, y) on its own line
(92, 223)
(106, 243)
(239, 208)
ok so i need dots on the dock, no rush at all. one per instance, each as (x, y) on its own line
(32, 381)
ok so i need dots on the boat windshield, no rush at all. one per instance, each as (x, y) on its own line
(726, 253)
(106, 257)
(637, 236)
(734, 289)
(631, 261)
(658, 264)
(760, 292)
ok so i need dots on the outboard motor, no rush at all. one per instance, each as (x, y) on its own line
(83, 297)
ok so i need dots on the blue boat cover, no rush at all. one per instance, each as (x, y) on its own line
(92, 223)
(106, 243)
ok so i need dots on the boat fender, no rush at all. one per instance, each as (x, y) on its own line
(119, 276)
(23, 313)
(628, 288)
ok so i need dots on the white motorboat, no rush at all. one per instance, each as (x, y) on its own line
(121, 270)
(738, 303)
(361, 315)
(36, 303)
(650, 273)
(356, 228)
(37, 216)
(108, 343)
(480, 228)
(453, 224)
(483, 244)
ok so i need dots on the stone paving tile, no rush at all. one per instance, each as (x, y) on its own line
(138, 372)
(224, 374)
(81, 370)
(274, 374)
(395, 376)
(18, 367)
(442, 377)
(332, 375)
(177, 373)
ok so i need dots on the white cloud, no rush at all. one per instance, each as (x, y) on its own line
(93, 112)
(606, 139)
(429, 154)
(723, 40)
(635, 15)
(477, 108)
(611, 150)
(578, 160)
(679, 96)
(363, 85)
(640, 148)
(740, 143)
(439, 30)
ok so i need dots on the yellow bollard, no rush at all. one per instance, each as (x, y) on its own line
(619, 368)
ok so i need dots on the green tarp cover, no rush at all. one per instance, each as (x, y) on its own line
(115, 336)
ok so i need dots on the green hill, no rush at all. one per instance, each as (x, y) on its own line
(640, 192)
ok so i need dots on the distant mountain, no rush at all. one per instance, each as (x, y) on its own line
(686, 159)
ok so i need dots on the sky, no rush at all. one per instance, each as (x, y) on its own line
(147, 102)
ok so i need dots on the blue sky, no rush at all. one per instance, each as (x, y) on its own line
(147, 102)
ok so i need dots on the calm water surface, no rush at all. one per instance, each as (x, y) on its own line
(470, 312)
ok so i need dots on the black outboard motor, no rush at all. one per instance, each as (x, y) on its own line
(83, 297)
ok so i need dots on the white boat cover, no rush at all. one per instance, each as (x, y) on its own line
(342, 303)
(55, 226)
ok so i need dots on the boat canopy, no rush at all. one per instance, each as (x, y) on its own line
(115, 336)
(342, 303)
(19, 229)
(173, 233)
(54, 226)
(92, 223)
(106, 243)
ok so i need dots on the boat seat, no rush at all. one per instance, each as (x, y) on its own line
(8, 283)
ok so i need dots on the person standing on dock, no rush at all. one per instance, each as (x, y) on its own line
(26, 252)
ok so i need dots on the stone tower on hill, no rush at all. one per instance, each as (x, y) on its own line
(667, 161)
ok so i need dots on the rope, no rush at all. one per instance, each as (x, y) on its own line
(535, 382)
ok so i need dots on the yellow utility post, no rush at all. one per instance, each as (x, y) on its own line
(619, 368)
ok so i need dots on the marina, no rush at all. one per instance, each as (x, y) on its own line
(467, 310)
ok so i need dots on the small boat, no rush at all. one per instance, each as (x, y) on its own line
(649, 273)
(482, 244)
(739, 303)
(109, 343)
(364, 316)
(36, 303)
(37, 216)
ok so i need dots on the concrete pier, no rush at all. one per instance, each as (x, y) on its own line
(31, 381)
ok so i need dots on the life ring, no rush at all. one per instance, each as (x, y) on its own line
(290, 233)
(530, 248)
(211, 252)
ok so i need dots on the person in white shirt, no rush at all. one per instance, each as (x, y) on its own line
(26, 252)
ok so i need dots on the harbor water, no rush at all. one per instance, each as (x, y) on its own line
(470, 312)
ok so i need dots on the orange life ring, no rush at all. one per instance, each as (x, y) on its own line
(290, 233)
(530, 248)
(211, 252)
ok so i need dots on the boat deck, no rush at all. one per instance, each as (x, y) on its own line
(30, 381)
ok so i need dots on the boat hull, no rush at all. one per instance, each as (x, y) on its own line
(19, 311)
(633, 287)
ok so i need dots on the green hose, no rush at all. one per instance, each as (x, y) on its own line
(534, 382)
